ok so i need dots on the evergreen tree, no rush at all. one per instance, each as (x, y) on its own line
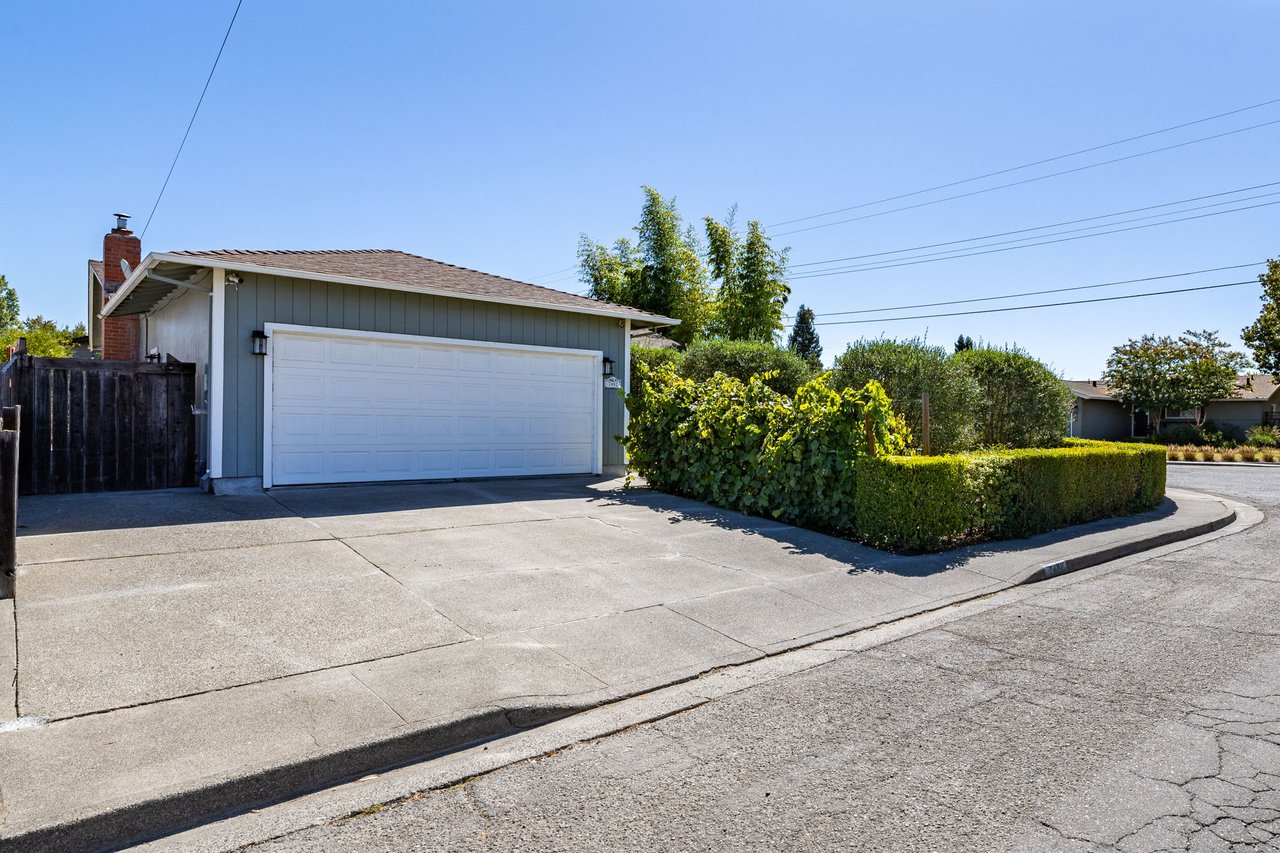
(964, 343)
(803, 340)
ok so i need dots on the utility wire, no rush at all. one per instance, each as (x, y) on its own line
(554, 272)
(1026, 180)
(1042, 305)
(951, 257)
(1027, 165)
(1030, 292)
(194, 113)
(1044, 227)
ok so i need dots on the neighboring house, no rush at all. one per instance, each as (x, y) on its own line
(372, 365)
(652, 339)
(1096, 414)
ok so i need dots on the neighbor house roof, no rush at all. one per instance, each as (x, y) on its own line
(1252, 386)
(97, 268)
(386, 268)
(652, 339)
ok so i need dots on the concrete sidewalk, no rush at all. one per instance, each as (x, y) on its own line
(194, 656)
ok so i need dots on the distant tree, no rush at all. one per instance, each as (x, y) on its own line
(1209, 370)
(44, 337)
(1263, 335)
(1023, 402)
(661, 272)
(907, 369)
(8, 304)
(803, 340)
(1159, 373)
(964, 343)
(753, 290)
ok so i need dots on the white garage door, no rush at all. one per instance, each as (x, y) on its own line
(347, 408)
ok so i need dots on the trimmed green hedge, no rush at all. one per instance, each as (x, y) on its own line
(931, 502)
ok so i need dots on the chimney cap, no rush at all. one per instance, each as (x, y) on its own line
(122, 221)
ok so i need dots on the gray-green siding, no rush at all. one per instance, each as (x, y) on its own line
(262, 299)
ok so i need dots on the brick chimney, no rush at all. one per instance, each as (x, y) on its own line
(121, 338)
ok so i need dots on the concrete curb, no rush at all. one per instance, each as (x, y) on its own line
(219, 798)
(1232, 464)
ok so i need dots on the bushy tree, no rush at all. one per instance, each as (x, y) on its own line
(1263, 335)
(907, 369)
(661, 272)
(8, 304)
(44, 337)
(1023, 403)
(1157, 373)
(745, 359)
(752, 290)
(803, 340)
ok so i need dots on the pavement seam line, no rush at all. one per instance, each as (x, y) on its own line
(376, 695)
(17, 710)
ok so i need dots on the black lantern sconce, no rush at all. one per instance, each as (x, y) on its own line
(607, 363)
(259, 342)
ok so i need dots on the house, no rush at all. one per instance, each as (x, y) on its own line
(348, 366)
(1096, 414)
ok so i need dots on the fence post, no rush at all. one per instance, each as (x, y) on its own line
(10, 419)
(924, 423)
(871, 434)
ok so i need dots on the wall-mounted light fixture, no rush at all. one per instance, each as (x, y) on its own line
(259, 342)
(607, 363)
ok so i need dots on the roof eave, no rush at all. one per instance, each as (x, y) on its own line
(196, 260)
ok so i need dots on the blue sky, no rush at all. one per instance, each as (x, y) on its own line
(491, 135)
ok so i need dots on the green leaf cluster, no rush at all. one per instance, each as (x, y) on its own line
(907, 369)
(734, 288)
(1022, 402)
(44, 337)
(1263, 334)
(744, 359)
(744, 446)
(928, 503)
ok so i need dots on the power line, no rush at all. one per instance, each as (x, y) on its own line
(1033, 292)
(1027, 165)
(1044, 227)
(554, 272)
(1027, 180)
(1042, 305)
(951, 257)
(194, 113)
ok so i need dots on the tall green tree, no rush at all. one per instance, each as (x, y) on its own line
(662, 271)
(753, 290)
(1263, 335)
(1166, 373)
(964, 343)
(803, 340)
(8, 304)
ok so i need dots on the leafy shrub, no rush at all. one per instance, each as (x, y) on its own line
(747, 447)
(649, 358)
(926, 503)
(1022, 404)
(906, 369)
(1206, 435)
(1263, 436)
(745, 359)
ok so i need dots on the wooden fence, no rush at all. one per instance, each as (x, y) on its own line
(96, 426)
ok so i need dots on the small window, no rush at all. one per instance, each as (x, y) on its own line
(1180, 414)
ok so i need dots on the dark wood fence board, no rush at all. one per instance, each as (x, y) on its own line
(91, 426)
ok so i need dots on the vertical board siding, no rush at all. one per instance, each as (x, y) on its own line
(259, 301)
(92, 426)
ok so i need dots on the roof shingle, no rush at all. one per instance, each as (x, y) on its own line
(391, 266)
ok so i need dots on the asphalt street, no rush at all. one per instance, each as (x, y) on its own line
(1135, 710)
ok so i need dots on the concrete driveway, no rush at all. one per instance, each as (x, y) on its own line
(181, 655)
(131, 598)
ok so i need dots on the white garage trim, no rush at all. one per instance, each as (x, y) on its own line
(272, 329)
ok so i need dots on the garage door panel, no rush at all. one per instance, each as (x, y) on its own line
(346, 410)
